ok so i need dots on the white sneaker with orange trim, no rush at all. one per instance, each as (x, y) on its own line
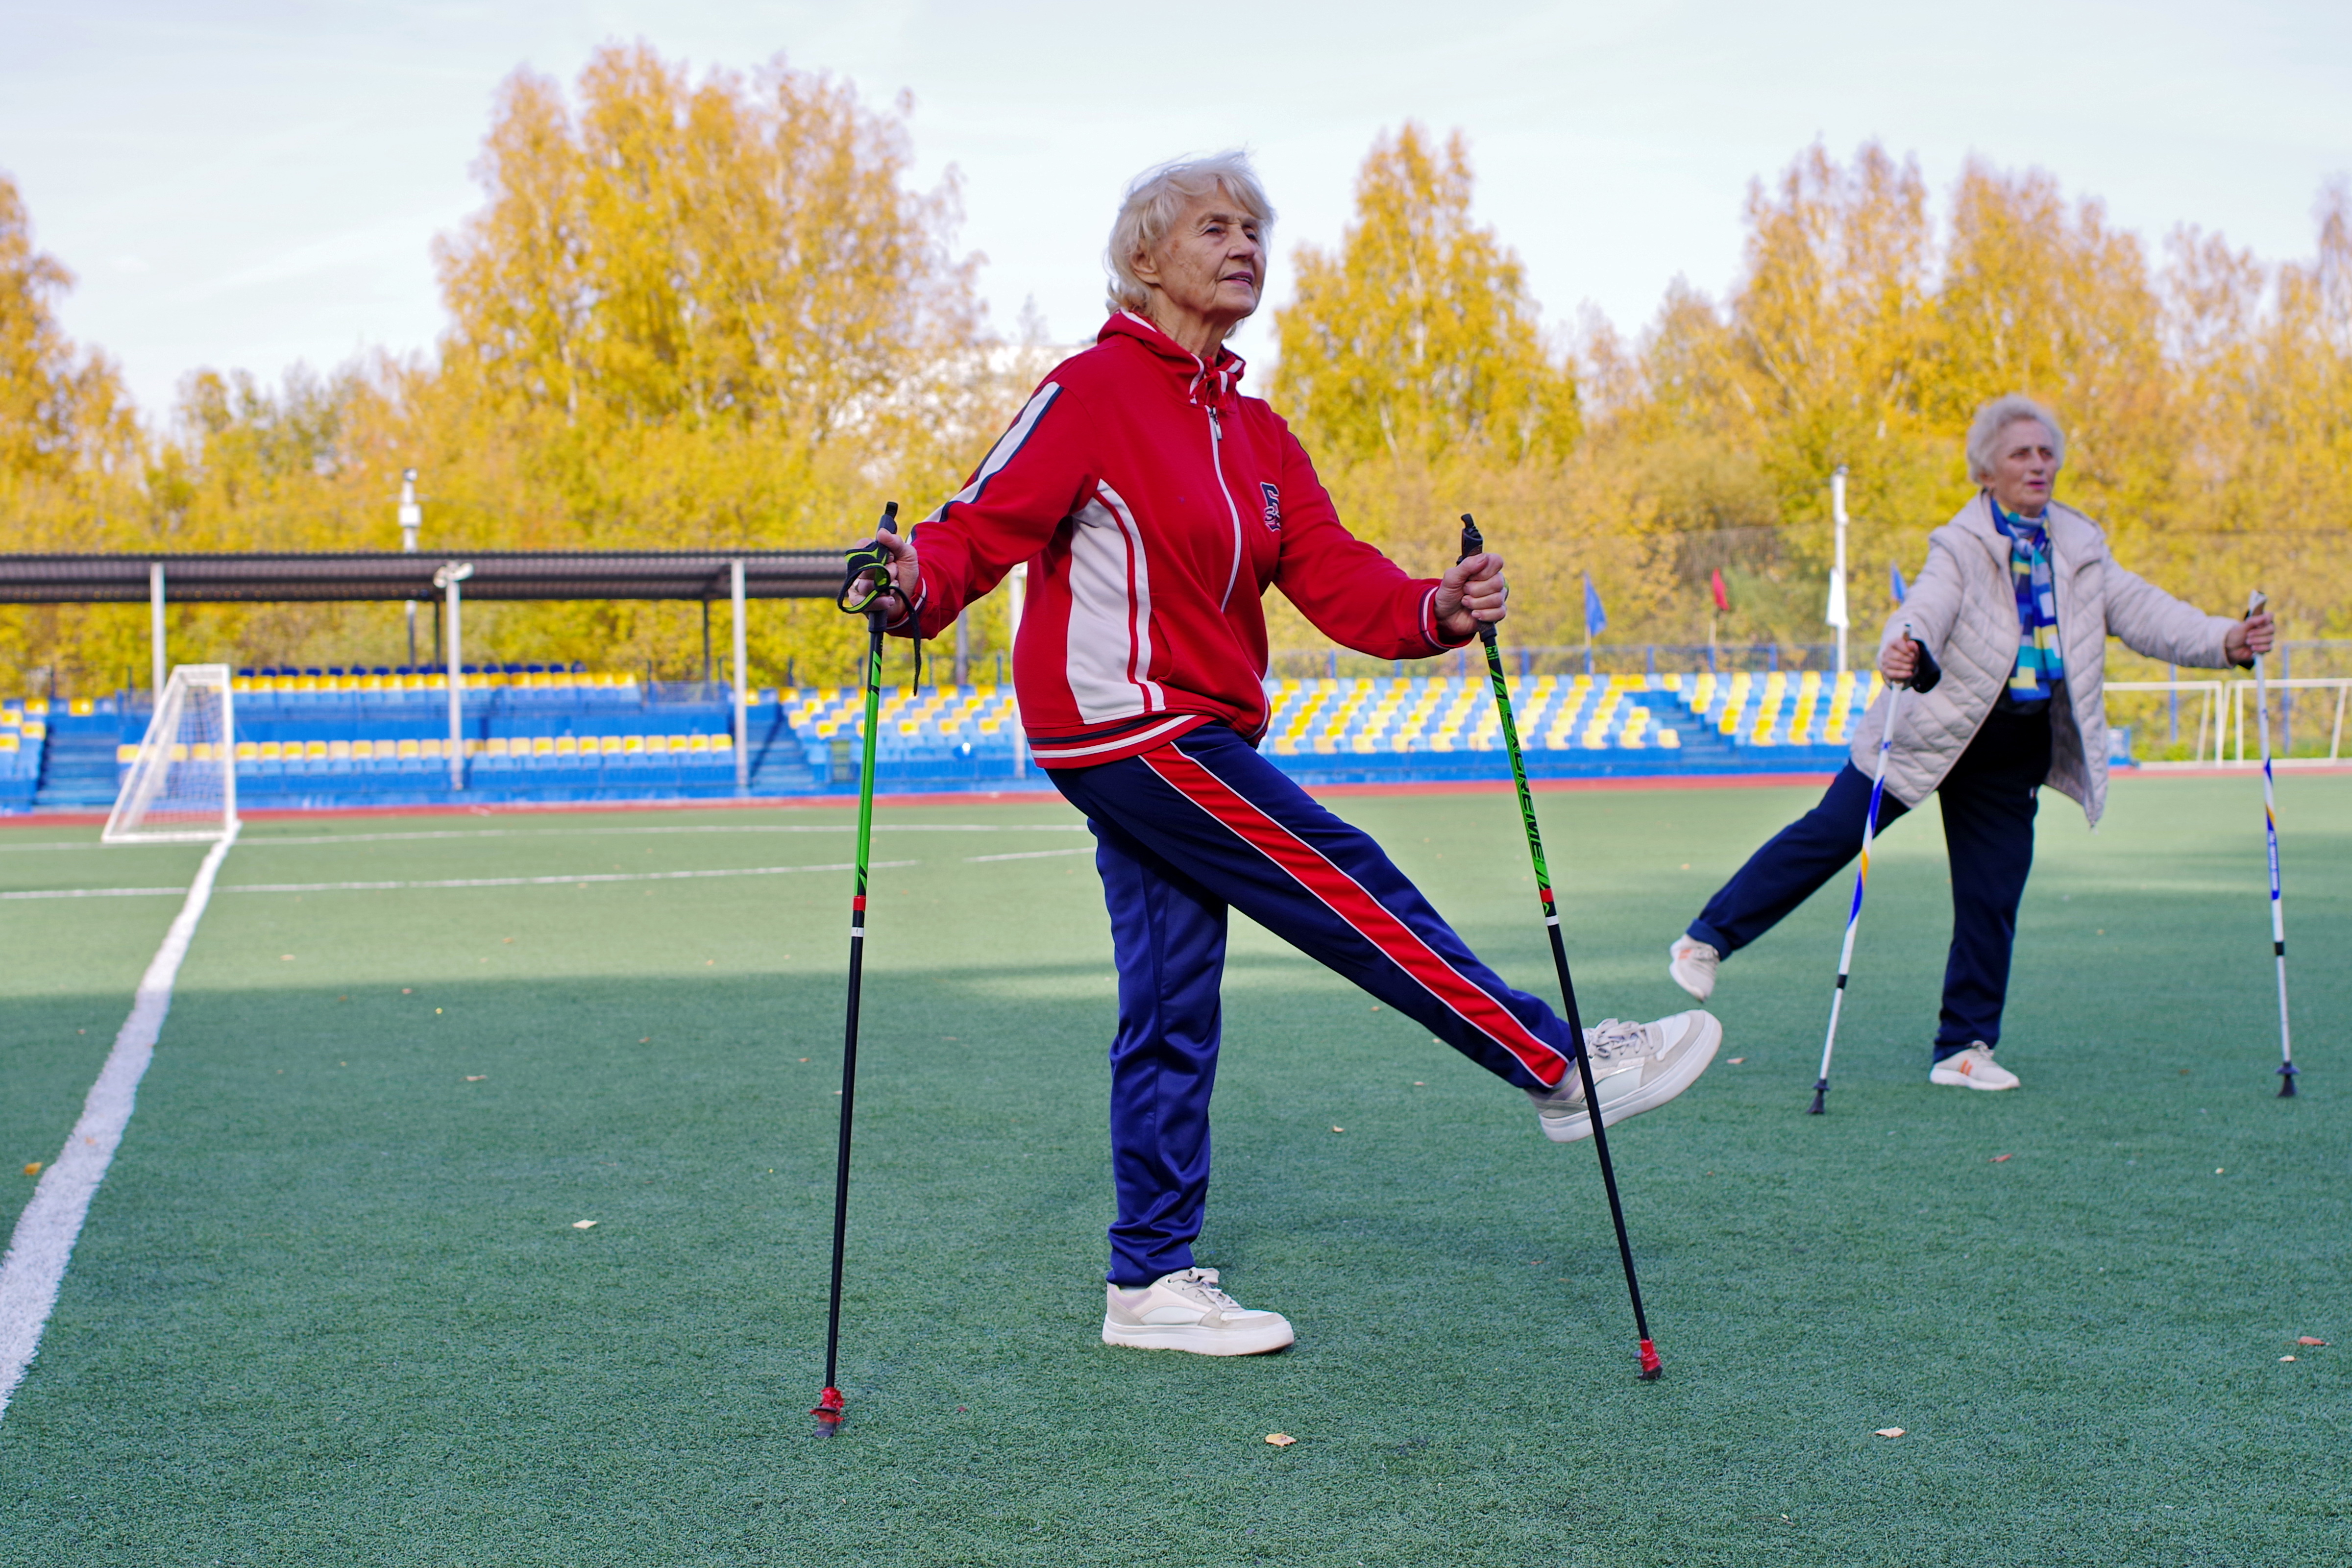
(1691, 964)
(1972, 1068)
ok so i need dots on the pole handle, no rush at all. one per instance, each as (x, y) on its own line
(1474, 544)
(866, 576)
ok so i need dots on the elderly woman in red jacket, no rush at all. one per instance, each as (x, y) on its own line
(1154, 505)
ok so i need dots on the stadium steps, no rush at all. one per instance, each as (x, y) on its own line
(779, 764)
(78, 770)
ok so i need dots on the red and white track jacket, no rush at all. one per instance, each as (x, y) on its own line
(1154, 505)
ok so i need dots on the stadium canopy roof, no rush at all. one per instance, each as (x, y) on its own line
(287, 577)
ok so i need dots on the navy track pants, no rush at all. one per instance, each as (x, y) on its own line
(1989, 801)
(1202, 825)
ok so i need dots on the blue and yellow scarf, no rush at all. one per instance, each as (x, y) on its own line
(2041, 671)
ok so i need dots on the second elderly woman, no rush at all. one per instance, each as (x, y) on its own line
(2017, 601)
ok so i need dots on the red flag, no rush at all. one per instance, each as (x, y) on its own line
(1722, 595)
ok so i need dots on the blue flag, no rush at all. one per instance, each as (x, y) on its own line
(1901, 593)
(1596, 619)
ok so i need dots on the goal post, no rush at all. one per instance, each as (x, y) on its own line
(182, 788)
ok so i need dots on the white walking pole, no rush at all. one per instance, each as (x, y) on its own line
(2254, 602)
(1861, 879)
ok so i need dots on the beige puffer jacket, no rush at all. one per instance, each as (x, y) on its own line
(1964, 609)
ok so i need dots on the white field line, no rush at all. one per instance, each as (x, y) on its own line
(34, 1264)
(453, 882)
(264, 842)
(1028, 854)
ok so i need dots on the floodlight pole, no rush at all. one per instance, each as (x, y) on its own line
(447, 580)
(742, 696)
(412, 517)
(155, 623)
(1837, 615)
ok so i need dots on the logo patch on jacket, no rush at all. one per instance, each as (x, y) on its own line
(1273, 506)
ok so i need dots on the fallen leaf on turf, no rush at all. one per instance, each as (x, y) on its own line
(35, 1169)
(1338, 1130)
(2305, 1340)
(476, 1077)
(1737, 1061)
(650, 1040)
(285, 958)
(1281, 1439)
(583, 1224)
(2286, 1358)
(1888, 1431)
(436, 1009)
(2217, 1170)
(1997, 1159)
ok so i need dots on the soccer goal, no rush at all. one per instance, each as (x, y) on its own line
(183, 785)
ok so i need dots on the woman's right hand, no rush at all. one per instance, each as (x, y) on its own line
(1899, 660)
(905, 571)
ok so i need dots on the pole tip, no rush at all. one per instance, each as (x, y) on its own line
(1652, 1368)
(828, 1413)
(2286, 1080)
(1821, 1099)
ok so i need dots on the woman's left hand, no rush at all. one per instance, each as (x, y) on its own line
(1472, 591)
(2248, 637)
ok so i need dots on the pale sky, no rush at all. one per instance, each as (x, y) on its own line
(257, 183)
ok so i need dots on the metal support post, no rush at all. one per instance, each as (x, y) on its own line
(1837, 615)
(447, 580)
(742, 696)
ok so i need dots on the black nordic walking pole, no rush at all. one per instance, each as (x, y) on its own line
(2270, 828)
(1923, 679)
(867, 590)
(1652, 1369)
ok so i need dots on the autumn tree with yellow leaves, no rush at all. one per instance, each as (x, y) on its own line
(714, 313)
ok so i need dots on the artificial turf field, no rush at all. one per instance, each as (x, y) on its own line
(330, 1306)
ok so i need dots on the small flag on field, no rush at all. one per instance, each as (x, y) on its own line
(1900, 592)
(1722, 593)
(1595, 617)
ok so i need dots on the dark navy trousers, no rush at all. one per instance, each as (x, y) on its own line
(1989, 800)
(1203, 824)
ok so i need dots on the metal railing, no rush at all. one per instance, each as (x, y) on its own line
(2222, 708)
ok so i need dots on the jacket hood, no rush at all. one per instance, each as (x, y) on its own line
(1211, 384)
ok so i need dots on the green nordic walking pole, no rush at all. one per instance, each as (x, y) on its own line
(1651, 1366)
(867, 590)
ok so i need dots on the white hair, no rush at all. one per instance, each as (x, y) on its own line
(1154, 200)
(1994, 419)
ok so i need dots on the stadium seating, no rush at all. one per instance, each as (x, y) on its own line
(23, 735)
(1755, 708)
(335, 736)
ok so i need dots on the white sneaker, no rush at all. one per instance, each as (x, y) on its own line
(1635, 1067)
(1186, 1312)
(1691, 963)
(1972, 1068)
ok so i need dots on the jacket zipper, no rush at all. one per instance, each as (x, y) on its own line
(1216, 461)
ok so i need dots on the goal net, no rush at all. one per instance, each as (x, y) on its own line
(183, 784)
